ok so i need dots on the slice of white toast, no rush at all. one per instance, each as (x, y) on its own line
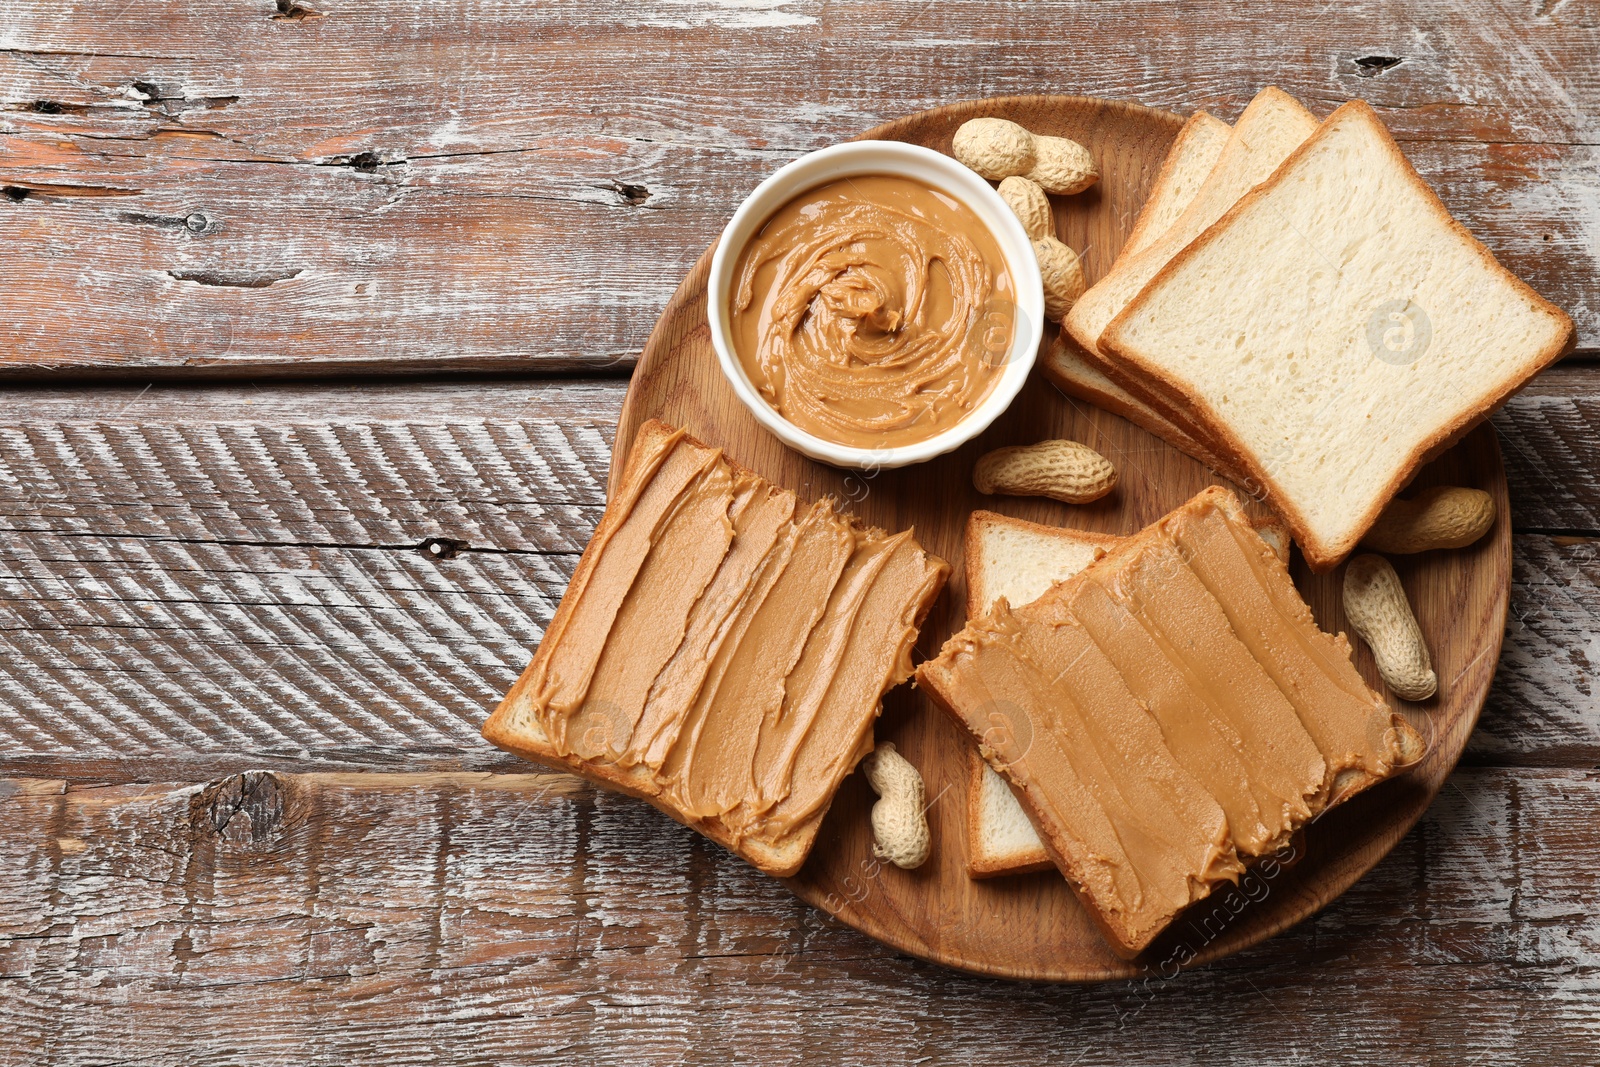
(1271, 127)
(1193, 154)
(1189, 162)
(1373, 332)
(1019, 560)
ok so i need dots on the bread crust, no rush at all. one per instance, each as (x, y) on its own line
(979, 865)
(1319, 555)
(1144, 391)
(1145, 417)
(1199, 124)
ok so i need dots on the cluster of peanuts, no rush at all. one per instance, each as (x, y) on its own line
(1028, 166)
(1445, 516)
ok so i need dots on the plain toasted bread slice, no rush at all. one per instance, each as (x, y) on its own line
(1193, 154)
(1271, 127)
(1019, 560)
(1373, 333)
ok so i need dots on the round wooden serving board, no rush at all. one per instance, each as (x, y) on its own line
(1031, 926)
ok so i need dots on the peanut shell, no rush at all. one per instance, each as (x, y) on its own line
(995, 148)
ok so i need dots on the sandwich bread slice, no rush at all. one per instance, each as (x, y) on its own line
(1168, 713)
(1270, 128)
(1194, 152)
(1372, 333)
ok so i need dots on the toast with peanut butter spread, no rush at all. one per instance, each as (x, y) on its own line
(1020, 560)
(1168, 715)
(721, 650)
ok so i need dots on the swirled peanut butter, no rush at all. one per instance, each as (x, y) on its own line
(722, 649)
(873, 311)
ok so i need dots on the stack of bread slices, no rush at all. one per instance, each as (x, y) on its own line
(1019, 561)
(1296, 308)
(1166, 718)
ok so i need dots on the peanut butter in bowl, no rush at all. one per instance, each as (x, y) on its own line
(873, 311)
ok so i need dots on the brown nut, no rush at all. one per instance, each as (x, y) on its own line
(899, 819)
(995, 148)
(999, 148)
(1062, 166)
(1062, 273)
(1446, 516)
(1031, 206)
(1380, 613)
(1061, 470)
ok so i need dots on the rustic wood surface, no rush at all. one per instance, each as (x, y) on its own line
(248, 632)
(304, 186)
(131, 602)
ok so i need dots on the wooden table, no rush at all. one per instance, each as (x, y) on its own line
(252, 614)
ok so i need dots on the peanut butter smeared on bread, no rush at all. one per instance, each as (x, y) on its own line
(1055, 717)
(1353, 726)
(1020, 561)
(722, 649)
(1178, 681)
(1219, 712)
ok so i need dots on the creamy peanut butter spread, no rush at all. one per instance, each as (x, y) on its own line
(873, 311)
(723, 648)
(1166, 715)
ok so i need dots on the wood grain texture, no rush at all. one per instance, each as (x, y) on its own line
(634, 941)
(226, 189)
(151, 592)
(297, 581)
(479, 919)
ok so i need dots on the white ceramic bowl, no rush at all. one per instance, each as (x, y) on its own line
(906, 161)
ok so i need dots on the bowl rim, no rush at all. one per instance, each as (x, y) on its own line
(897, 159)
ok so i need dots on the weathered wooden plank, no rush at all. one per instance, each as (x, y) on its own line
(414, 918)
(229, 191)
(352, 576)
(1550, 437)
(208, 579)
(1545, 704)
